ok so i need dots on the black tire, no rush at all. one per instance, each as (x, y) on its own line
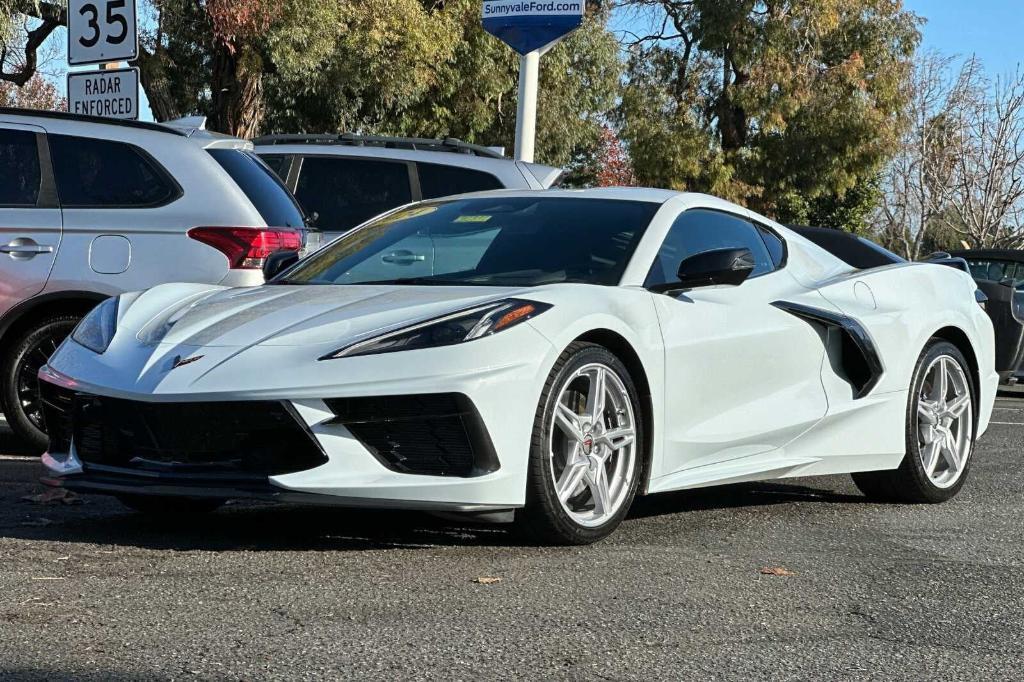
(543, 519)
(910, 483)
(19, 388)
(156, 505)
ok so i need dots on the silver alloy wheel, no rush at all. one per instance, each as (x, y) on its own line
(945, 421)
(592, 444)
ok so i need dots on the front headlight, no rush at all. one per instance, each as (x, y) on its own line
(97, 328)
(457, 327)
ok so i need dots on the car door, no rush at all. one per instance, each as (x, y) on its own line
(742, 377)
(30, 218)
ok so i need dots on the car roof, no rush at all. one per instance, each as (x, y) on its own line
(196, 134)
(1016, 255)
(66, 116)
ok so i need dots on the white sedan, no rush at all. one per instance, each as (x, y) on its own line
(536, 356)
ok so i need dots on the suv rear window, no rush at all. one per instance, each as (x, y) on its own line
(261, 185)
(347, 192)
(95, 173)
(438, 180)
(19, 167)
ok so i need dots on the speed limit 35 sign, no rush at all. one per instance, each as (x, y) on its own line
(101, 31)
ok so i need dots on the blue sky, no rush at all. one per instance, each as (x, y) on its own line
(992, 29)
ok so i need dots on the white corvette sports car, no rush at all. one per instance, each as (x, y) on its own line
(543, 356)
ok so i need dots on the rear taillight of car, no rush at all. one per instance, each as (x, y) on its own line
(247, 247)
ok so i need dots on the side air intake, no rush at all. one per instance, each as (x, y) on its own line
(858, 357)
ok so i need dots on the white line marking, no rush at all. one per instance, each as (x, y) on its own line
(16, 458)
(1008, 423)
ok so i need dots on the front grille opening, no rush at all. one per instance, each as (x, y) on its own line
(245, 438)
(433, 434)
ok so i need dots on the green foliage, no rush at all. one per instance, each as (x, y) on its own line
(398, 67)
(788, 107)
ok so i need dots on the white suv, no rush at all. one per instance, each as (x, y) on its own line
(347, 179)
(92, 207)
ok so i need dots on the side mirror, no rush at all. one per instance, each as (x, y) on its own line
(710, 268)
(278, 262)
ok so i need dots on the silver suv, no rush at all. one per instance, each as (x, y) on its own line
(93, 207)
(347, 179)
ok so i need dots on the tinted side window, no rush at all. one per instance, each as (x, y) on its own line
(278, 163)
(437, 180)
(776, 247)
(347, 192)
(994, 270)
(107, 174)
(700, 230)
(19, 168)
(263, 188)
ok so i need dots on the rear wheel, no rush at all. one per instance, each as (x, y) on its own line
(939, 432)
(18, 373)
(585, 455)
(156, 505)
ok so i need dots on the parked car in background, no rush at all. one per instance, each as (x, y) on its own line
(91, 207)
(1000, 274)
(347, 179)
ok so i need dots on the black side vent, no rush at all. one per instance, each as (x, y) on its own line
(859, 358)
(436, 434)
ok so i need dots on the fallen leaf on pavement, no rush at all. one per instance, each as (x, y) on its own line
(487, 580)
(776, 570)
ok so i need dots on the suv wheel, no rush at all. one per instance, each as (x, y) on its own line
(19, 367)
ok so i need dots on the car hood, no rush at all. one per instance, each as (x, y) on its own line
(286, 315)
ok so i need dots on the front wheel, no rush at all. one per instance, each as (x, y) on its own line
(939, 435)
(19, 386)
(586, 450)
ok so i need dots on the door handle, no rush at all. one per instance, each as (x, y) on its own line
(26, 248)
(403, 257)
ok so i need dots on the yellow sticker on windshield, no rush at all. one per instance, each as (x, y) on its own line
(472, 218)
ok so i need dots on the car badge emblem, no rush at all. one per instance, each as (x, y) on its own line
(179, 361)
(588, 444)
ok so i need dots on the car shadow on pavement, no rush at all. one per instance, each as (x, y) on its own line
(735, 496)
(253, 526)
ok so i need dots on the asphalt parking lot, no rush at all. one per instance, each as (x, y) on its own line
(91, 591)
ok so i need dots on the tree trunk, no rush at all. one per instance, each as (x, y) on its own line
(237, 91)
(153, 75)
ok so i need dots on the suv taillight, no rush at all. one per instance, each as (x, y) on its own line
(247, 247)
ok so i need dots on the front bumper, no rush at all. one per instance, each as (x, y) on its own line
(358, 468)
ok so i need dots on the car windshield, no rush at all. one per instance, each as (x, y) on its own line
(998, 271)
(490, 241)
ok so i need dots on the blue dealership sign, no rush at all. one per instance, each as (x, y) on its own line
(528, 25)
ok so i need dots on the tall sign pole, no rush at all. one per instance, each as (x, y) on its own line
(531, 28)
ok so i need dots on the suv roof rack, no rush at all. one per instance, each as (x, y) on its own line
(67, 116)
(448, 144)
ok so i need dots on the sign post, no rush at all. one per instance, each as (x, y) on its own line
(102, 32)
(531, 28)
